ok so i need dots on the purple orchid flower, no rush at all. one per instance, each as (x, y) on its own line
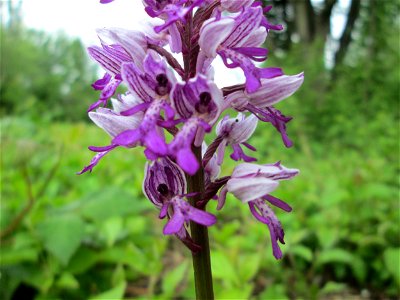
(260, 102)
(235, 132)
(199, 102)
(112, 122)
(165, 186)
(252, 184)
(238, 39)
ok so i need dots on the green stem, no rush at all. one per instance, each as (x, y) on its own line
(201, 260)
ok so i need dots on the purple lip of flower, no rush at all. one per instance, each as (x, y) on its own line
(263, 213)
(169, 10)
(164, 185)
(234, 132)
(238, 40)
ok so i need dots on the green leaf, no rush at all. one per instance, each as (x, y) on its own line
(275, 291)
(118, 275)
(111, 229)
(222, 268)
(332, 287)
(172, 279)
(11, 256)
(62, 236)
(111, 202)
(249, 265)
(344, 257)
(115, 293)
(302, 251)
(67, 281)
(243, 292)
(392, 262)
(82, 260)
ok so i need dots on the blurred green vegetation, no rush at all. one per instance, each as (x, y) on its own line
(97, 237)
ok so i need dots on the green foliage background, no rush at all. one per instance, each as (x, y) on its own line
(97, 237)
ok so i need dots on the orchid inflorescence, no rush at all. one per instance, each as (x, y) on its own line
(164, 97)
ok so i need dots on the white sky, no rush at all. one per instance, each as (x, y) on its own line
(80, 18)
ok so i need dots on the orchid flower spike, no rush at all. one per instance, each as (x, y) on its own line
(168, 108)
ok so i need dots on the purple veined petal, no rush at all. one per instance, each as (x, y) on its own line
(256, 38)
(278, 203)
(221, 152)
(175, 224)
(175, 40)
(134, 43)
(95, 160)
(112, 123)
(275, 90)
(247, 189)
(127, 138)
(108, 63)
(234, 6)
(213, 33)
(187, 161)
(136, 84)
(124, 102)
(106, 1)
(245, 24)
(270, 171)
(164, 174)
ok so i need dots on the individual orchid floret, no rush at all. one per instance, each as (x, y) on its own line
(147, 134)
(112, 122)
(263, 213)
(260, 102)
(118, 46)
(251, 181)
(153, 82)
(170, 11)
(165, 185)
(238, 40)
(235, 132)
(199, 97)
(252, 184)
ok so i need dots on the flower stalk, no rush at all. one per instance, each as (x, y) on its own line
(201, 260)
